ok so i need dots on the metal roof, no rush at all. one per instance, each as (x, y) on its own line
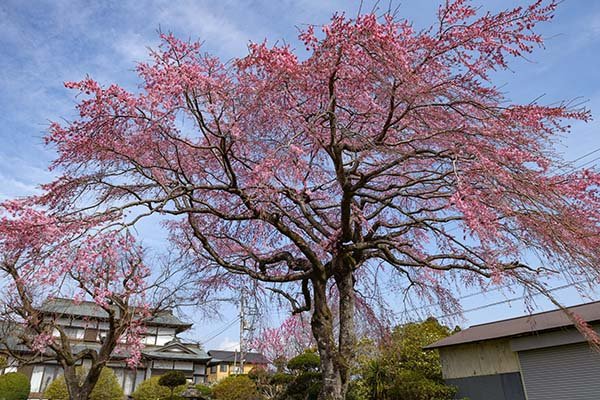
(90, 309)
(519, 326)
(231, 356)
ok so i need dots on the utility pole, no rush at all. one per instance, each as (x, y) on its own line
(248, 320)
(242, 328)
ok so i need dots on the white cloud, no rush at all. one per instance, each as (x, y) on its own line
(20, 177)
(594, 26)
(133, 46)
(206, 24)
(228, 344)
(12, 188)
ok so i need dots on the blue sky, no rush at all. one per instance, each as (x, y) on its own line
(44, 43)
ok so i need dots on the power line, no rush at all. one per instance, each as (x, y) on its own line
(507, 300)
(505, 286)
(467, 296)
(222, 330)
(218, 329)
(585, 155)
(572, 169)
(586, 163)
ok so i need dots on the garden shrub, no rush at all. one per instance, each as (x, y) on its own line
(14, 386)
(204, 390)
(107, 387)
(172, 380)
(150, 389)
(239, 387)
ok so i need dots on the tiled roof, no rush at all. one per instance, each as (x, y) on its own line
(525, 325)
(91, 309)
(163, 355)
(9, 336)
(231, 356)
(192, 351)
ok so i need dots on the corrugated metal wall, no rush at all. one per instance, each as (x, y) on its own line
(489, 387)
(570, 372)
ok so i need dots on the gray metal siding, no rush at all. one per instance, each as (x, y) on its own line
(489, 387)
(570, 372)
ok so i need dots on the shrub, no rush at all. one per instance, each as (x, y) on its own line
(304, 386)
(150, 389)
(107, 387)
(268, 383)
(357, 390)
(172, 380)
(239, 387)
(307, 361)
(305, 382)
(57, 389)
(14, 386)
(402, 369)
(411, 385)
(280, 378)
(259, 374)
(204, 390)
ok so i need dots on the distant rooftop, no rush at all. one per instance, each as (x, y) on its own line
(231, 356)
(519, 326)
(60, 306)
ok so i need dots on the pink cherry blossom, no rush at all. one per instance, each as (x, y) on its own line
(384, 154)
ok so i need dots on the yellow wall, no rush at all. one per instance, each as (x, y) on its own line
(475, 359)
(215, 377)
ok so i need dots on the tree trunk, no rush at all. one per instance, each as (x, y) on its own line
(322, 328)
(347, 334)
(336, 356)
(77, 389)
(73, 384)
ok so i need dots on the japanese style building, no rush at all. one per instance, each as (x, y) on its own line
(86, 323)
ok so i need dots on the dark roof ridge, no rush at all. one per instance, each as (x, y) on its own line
(535, 314)
(91, 309)
(229, 356)
(93, 303)
(235, 351)
(523, 325)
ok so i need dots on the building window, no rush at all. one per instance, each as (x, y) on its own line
(184, 365)
(213, 369)
(223, 367)
(150, 339)
(42, 375)
(162, 364)
(91, 335)
(128, 381)
(72, 333)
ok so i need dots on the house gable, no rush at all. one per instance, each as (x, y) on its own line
(175, 348)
